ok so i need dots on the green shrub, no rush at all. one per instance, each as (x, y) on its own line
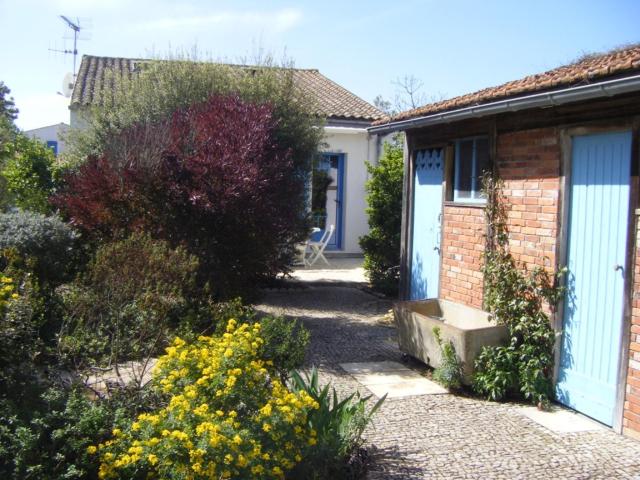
(44, 246)
(449, 373)
(50, 442)
(47, 439)
(30, 174)
(285, 344)
(381, 245)
(339, 424)
(20, 348)
(226, 417)
(124, 305)
(39, 253)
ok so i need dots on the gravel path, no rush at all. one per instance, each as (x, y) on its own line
(442, 436)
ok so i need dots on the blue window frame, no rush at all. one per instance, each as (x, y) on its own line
(471, 161)
(53, 145)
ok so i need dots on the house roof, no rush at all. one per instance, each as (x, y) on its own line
(590, 68)
(334, 101)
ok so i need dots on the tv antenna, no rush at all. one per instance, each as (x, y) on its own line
(75, 26)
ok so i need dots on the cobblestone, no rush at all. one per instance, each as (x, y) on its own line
(442, 436)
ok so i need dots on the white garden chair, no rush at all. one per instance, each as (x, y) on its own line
(303, 248)
(316, 249)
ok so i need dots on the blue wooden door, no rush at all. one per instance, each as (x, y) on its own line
(427, 209)
(593, 306)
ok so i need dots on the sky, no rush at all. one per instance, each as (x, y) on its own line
(451, 46)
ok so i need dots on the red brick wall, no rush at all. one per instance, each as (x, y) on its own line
(631, 419)
(529, 164)
(462, 247)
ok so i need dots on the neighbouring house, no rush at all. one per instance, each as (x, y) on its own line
(339, 176)
(51, 135)
(566, 144)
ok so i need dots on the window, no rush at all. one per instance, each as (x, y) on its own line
(471, 161)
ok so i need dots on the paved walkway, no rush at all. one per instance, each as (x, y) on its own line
(340, 270)
(442, 436)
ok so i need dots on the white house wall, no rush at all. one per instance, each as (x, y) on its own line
(50, 133)
(358, 147)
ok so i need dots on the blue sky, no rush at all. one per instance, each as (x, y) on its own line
(452, 46)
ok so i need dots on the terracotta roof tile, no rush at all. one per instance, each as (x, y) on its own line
(596, 67)
(93, 85)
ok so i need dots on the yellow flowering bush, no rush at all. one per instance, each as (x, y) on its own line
(7, 292)
(228, 416)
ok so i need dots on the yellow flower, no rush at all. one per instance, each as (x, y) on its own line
(257, 470)
(91, 449)
(266, 410)
(152, 459)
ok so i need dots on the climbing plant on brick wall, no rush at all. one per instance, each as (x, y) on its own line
(520, 299)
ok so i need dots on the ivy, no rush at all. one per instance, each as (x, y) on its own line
(516, 297)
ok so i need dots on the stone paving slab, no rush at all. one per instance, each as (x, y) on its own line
(339, 270)
(381, 378)
(391, 379)
(406, 389)
(561, 420)
(373, 368)
(442, 436)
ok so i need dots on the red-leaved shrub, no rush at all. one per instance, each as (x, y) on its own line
(211, 178)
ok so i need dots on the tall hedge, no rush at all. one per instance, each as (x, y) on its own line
(381, 245)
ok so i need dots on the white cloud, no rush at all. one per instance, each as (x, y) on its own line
(277, 21)
(40, 110)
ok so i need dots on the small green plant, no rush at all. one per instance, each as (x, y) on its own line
(339, 424)
(449, 374)
(285, 344)
(516, 297)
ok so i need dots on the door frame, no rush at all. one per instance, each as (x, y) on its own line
(564, 198)
(408, 215)
(340, 195)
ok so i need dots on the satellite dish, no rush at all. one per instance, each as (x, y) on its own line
(67, 84)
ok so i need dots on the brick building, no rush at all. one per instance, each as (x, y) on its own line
(565, 142)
